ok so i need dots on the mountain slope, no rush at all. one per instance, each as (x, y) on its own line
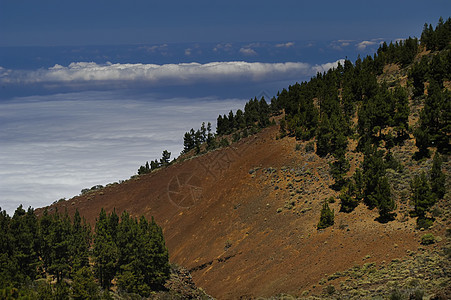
(243, 219)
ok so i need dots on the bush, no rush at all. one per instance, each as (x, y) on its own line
(327, 216)
(310, 147)
(423, 222)
(427, 239)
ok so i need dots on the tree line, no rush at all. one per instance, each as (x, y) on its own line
(34, 252)
(348, 102)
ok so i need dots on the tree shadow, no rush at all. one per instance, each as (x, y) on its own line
(386, 218)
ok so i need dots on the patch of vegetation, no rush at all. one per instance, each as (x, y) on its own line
(129, 250)
(327, 217)
(427, 239)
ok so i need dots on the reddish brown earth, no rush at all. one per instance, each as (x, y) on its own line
(227, 219)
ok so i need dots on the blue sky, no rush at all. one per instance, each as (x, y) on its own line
(113, 22)
(90, 90)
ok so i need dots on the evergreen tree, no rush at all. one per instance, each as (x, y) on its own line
(438, 178)
(166, 156)
(327, 216)
(348, 200)
(23, 231)
(84, 285)
(323, 138)
(422, 195)
(60, 235)
(188, 141)
(418, 76)
(402, 111)
(422, 141)
(373, 171)
(80, 241)
(386, 203)
(105, 252)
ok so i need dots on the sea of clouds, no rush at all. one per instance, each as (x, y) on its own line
(85, 74)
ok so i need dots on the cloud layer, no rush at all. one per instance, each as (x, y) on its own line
(90, 73)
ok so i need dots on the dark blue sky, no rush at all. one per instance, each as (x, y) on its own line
(58, 22)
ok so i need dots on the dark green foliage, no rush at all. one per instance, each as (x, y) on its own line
(165, 157)
(194, 139)
(224, 142)
(348, 200)
(105, 251)
(84, 285)
(340, 166)
(80, 242)
(373, 172)
(132, 251)
(439, 38)
(401, 113)
(324, 137)
(384, 200)
(422, 141)
(327, 216)
(417, 74)
(402, 52)
(143, 257)
(427, 239)
(435, 122)
(438, 178)
(422, 196)
(56, 233)
(256, 113)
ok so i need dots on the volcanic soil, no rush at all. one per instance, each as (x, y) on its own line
(242, 219)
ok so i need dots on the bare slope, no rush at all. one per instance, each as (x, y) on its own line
(243, 219)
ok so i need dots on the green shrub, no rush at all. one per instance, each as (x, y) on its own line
(423, 222)
(327, 216)
(428, 239)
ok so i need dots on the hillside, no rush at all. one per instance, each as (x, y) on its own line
(225, 218)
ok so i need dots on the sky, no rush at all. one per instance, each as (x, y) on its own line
(115, 22)
(91, 90)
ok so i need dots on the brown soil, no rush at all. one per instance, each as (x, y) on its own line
(243, 219)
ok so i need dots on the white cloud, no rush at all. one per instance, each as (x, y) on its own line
(155, 48)
(90, 74)
(248, 51)
(227, 47)
(327, 66)
(340, 44)
(364, 44)
(285, 45)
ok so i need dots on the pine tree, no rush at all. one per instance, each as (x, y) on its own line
(373, 169)
(383, 197)
(438, 178)
(166, 156)
(422, 195)
(327, 216)
(105, 252)
(60, 235)
(348, 201)
(402, 111)
(23, 231)
(84, 285)
(323, 138)
(80, 241)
